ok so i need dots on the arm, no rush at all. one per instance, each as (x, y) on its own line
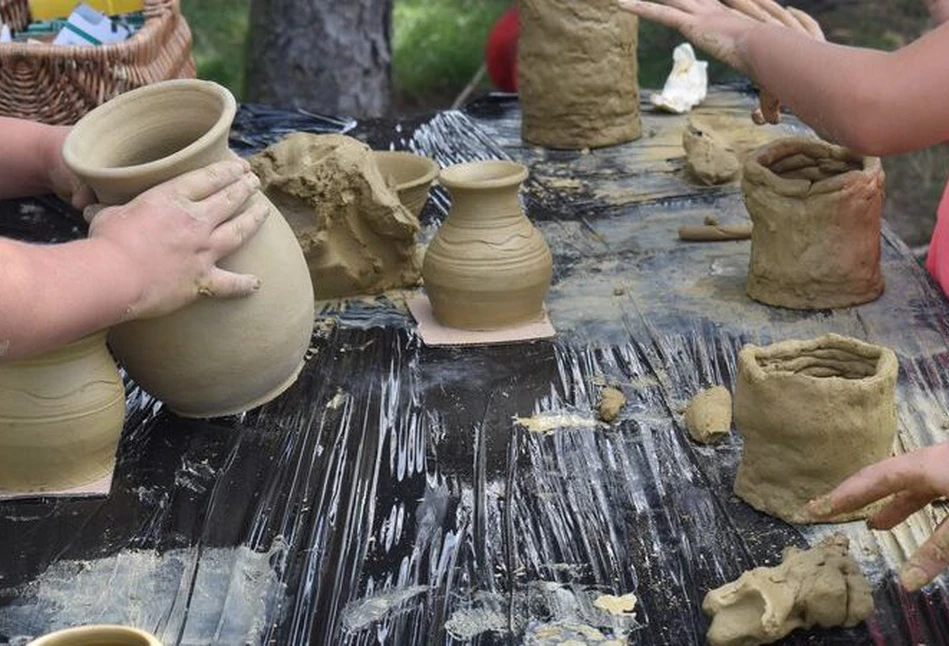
(874, 102)
(146, 258)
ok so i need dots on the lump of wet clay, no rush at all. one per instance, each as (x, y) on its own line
(811, 413)
(612, 401)
(356, 235)
(816, 210)
(822, 587)
(708, 158)
(708, 416)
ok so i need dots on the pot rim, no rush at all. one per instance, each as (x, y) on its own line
(886, 364)
(65, 635)
(425, 178)
(870, 166)
(454, 176)
(107, 110)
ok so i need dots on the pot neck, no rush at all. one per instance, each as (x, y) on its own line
(475, 206)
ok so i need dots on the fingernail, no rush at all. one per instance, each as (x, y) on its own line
(244, 163)
(820, 507)
(913, 577)
(253, 181)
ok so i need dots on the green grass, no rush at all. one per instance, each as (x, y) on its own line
(219, 28)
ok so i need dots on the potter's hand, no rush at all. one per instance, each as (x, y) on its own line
(62, 181)
(939, 10)
(916, 479)
(171, 237)
(720, 29)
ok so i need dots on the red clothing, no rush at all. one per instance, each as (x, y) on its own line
(937, 260)
(500, 53)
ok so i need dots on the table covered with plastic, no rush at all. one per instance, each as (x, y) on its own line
(406, 494)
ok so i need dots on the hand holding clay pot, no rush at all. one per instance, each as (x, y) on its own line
(170, 237)
(914, 480)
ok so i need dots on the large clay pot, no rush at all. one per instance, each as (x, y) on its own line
(811, 414)
(97, 635)
(61, 416)
(487, 266)
(816, 211)
(217, 356)
(577, 73)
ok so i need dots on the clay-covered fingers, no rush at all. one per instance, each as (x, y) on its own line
(228, 201)
(219, 283)
(903, 504)
(928, 561)
(769, 109)
(778, 12)
(751, 9)
(811, 26)
(204, 182)
(229, 236)
(872, 483)
(668, 16)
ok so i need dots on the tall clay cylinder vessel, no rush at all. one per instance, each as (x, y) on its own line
(816, 211)
(487, 267)
(811, 413)
(61, 416)
(577, 73)
(217, 356)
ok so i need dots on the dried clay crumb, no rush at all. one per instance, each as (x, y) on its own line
(611, 402)
(708, 416)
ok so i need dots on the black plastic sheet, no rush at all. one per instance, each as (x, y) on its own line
(392, 495)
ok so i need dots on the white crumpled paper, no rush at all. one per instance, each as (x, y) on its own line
(687, 84)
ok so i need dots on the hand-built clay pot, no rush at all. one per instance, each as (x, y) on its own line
(816, 213)
(577, 73)
(487, 267)
(217, 356)
(61, 416)
(411, 175)
(811, 413)
(98, 635)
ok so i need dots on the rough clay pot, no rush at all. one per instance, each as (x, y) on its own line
(217, 356)
(816, 211)
(411, 175)
(61, 417)
(811, 413)
(577, 73)
(97, 635)
(487, 266)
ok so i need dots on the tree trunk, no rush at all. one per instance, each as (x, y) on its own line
(326, 56)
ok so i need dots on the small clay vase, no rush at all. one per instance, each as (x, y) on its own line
(577, 73)
(61, 416)
(816, 212)
(217, 356)
(411, 175)
(487, 267)
(97, 635)
(811, 414)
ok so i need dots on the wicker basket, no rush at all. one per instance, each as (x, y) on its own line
(59, 84)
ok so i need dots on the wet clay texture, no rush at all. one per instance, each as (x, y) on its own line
(708, 416)
(709, 159)
(61, 416)
(217, 356)
(487, 267)
(612, 401)
(816, 214)
(356, 235)
(822, 586)
(577, 73)
(811, 414)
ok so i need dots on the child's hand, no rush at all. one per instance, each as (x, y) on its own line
(171, 237)
(62, 181)
(916, 479)
(720, 29)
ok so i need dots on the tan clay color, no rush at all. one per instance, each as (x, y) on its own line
(61, 416)
(612, 401)
(217, 356)
(816, 214)
(708, 416)
(577, 73)
(409, 174)
(487, 266)
(709, 159)
(356, 235)
(97, 635)
(811, 414)
(820, 587)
